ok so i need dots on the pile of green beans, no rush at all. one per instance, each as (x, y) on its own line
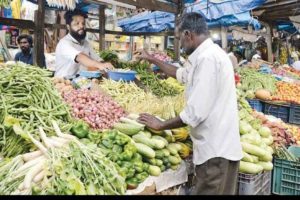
(28, 100)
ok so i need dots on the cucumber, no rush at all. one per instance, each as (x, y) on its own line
(160, 138)
(130, 121)
(173, 160)
(172, 149)
(159, 154)
(128, 129)
(159, 162)
(144, 150)
(154, 170)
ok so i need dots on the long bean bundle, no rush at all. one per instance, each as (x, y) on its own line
(27, 100)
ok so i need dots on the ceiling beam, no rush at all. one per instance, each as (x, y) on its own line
(152, 5)
(276, 4)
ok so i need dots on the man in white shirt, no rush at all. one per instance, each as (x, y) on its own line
(73, 52)
(296, 65)
(211, 109)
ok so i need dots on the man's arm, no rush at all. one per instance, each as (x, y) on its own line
(157, 124)
(88, 62)
(168, 69)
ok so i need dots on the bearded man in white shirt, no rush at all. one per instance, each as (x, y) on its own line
(211, 108)
(73, 52)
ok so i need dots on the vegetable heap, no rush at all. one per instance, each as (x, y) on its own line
(255, 139)
(27, 100)
(135, 100)
(288, 92)
(95, 108)
(62, 165)
(252, 80)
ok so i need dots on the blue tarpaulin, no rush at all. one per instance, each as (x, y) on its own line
(219, 13)
(215, 9)
(160, 21)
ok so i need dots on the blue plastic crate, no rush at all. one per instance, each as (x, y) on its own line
(256, 104)
(279, 111)
(294, 117)
(286, 177)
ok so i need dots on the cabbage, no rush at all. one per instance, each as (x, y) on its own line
(265, 131)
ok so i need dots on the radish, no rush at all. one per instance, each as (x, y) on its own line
(32, 173)
(29, 156)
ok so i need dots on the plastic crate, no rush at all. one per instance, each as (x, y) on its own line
(286, 177)
(279, 111)
(256, 104)
(249, 184)
(294, 117)
(266, 189)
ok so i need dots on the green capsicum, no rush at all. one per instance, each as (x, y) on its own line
(80, 129)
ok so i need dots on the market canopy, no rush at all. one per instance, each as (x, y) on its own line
(161, 21)
(217, 13)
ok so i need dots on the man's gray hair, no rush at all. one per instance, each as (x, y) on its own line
(193, 22)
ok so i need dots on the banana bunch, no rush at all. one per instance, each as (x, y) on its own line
(174, 83)
(185, 150)
(283, 55)
(16, 8)
(180, 134)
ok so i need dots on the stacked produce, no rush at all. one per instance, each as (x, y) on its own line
(287, 92)
(294, 130)
(96, 108)
(62, 165)
(135, 100)
(152, 81)
(62, 85)
(282, 152)
(280, 133)
(5, 3)
(173, 83)
(255, 139)
(292, 71)
(158, 148)
(252, 81)
(27, 101)
(121, 149)
(162, 56)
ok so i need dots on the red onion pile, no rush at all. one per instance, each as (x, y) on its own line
(162, 57)
(97, 109)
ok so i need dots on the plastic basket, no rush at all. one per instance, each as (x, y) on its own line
(279, 111)
(249, 184)
(90, 74)
(256, 104)
(125, 76)
(286, 177)
(294, 117)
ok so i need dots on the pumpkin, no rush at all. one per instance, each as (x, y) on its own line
(263, 94)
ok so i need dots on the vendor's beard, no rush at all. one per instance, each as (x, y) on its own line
(78, 36)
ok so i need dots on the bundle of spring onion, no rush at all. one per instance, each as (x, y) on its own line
(27, 100)
(62, 165)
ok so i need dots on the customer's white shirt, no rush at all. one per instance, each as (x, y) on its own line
(211, 108)
(66, 51)
(296, 65)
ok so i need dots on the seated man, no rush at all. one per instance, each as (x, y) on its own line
(26, 53)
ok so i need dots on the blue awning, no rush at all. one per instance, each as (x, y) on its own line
(161, 21)
(215, 9)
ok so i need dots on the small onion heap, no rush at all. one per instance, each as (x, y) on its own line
(97, 109)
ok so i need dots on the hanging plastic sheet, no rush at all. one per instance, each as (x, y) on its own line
(213, 10)
(160, 21)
